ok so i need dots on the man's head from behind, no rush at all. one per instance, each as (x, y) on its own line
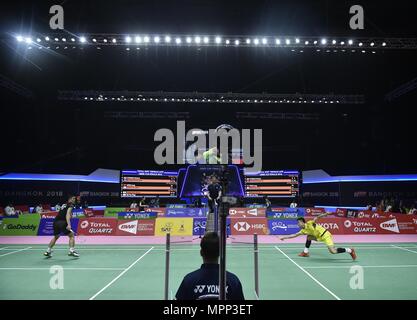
(210, 247)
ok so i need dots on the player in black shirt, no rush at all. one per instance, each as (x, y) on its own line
(204, 282)
(62, 224)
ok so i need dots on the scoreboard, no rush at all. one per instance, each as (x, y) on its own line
(283, 184)
(148, 183)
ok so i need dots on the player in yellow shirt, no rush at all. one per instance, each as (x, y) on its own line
(316, 232)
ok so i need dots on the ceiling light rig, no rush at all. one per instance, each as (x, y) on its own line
(208, 97)
(335, 44)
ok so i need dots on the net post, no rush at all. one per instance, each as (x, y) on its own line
(255, 255)
(167, 254)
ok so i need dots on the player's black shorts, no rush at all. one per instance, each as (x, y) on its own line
(60, 226)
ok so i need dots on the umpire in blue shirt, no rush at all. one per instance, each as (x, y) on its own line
(204, 282)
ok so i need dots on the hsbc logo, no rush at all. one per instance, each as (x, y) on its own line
(130, 227)
(390, 225)
(241, 226)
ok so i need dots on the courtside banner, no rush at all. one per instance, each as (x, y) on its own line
(289, 213)
(377, 226)
(186, 212)
(160, 211)
(314, 211)
(24, 225)
(78, 213)
(174, 226)
(283, 226)
(247, 212)
(334, 225)
(199, 226)
(137, 215)
(341, 212)
(144, 227)
(46, 226)
(248, 226)
(97, 226)
(49, 214)
(111, 212)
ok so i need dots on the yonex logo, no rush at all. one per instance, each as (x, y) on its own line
(199, 289)
(241, 226)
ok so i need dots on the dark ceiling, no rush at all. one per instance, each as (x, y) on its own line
(44, 134)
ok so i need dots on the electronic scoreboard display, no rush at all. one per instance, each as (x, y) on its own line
(283, 184)
(148, 183)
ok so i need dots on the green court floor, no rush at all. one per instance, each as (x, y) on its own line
(137, 271)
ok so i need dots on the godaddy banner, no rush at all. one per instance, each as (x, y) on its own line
(137, 215)
(186, 212)
(24, 225)
(285, 213)
(113, 212)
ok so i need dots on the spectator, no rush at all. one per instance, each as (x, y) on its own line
(197, 202)
(413, 209)
(154, 202)
(85, 204)
(267, 203)
(10, 210)
(369, 207)
(57, 207)
(198, 285)
(134, 205)
(293, 204)
(142, 204)
(38, 209)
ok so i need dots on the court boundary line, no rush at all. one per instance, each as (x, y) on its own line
(121, 274)
(20, 250)
(309, 274)
(405, 249)
(382, 266)
(64, 268)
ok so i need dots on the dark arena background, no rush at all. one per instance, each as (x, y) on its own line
(102, 103)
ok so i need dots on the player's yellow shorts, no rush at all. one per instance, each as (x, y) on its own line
(327, 239)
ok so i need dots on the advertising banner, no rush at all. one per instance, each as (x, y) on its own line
(334, 225)
(97, 226)
(314, 211)
(186, 212)
(341, 212)
(24, 225)
(49, 214)
(111, 212)
(174, 226)
(46, 226)
(137, 215)
(247, 212)
(406, 225)
(199, 226)
(160, 211)
(248, 226)
(136, 227)
(283, 226)
(285, 213)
